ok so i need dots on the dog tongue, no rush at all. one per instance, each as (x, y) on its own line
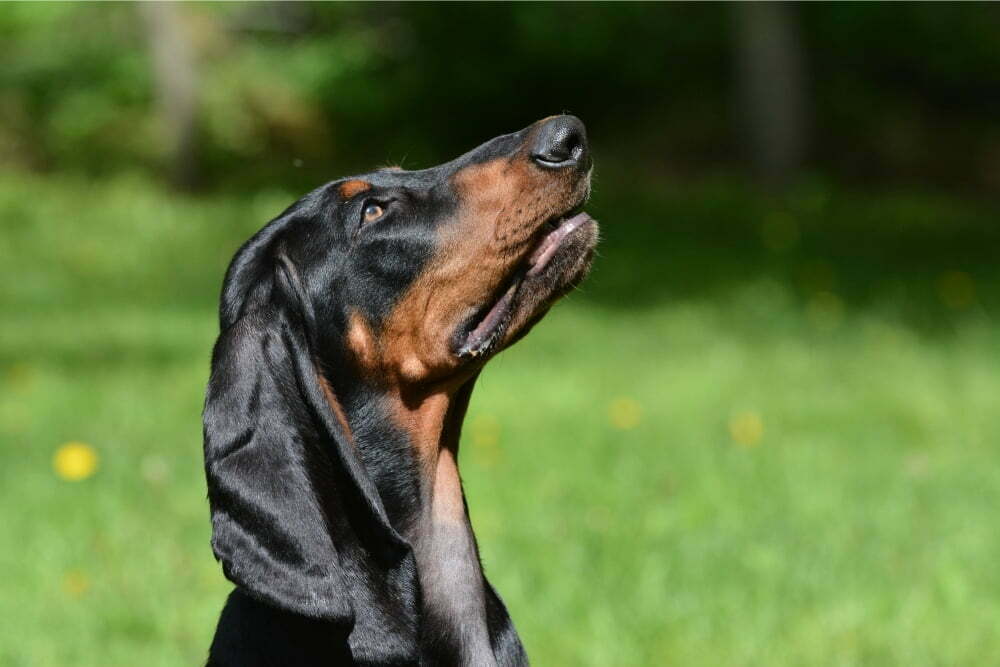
(550, 242)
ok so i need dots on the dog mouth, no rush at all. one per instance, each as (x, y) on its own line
(549, 268)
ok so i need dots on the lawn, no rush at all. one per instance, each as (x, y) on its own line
(766, 431)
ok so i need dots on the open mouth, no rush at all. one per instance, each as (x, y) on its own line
(488, 327)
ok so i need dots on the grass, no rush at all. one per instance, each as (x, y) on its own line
(764, 433)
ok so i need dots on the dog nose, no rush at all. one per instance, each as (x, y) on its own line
(561, 142)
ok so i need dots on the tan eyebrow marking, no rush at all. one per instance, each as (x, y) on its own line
(350, 188)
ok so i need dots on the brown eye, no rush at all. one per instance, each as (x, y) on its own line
(372, 212)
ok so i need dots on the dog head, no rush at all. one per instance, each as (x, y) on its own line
(398, 280)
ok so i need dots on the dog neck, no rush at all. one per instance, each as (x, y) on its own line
(447, 556)
(409, 444)
(433, 423)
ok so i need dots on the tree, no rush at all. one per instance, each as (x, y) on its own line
(176, 81)
(770, 69)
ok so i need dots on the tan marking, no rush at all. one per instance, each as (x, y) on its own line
(447, 505)
(423, 419)
(350, 188)
(412, 369)
(338, 410)
(432, 423)
(361, 343)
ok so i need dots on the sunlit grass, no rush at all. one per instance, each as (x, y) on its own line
(745, 448)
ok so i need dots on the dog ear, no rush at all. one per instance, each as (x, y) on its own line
(293, 511)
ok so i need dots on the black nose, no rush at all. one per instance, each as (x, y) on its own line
(561, 142)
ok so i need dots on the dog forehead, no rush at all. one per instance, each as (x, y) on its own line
(397, 178)
(502, 146)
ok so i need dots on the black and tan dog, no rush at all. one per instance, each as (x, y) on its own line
(353, 327)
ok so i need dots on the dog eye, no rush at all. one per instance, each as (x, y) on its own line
(372, 212)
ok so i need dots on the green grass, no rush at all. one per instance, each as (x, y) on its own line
(764, 433)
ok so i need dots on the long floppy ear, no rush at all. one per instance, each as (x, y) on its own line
(295, 517)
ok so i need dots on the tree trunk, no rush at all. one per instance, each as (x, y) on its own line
(176, 81)
(770, 68)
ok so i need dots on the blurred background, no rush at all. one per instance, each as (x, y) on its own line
(764, 432)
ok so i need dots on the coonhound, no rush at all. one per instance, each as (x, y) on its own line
(353, 327)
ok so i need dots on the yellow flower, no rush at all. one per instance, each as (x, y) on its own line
(624, 413)
(746, 428)
(75, 583)
(21, 376)
(75, 461)
(485, 431)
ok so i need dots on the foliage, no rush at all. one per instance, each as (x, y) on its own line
(292, 93)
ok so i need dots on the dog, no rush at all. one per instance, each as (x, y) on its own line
(352, 329)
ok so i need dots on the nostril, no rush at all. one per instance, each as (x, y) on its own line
(560, 142)
(563, 145)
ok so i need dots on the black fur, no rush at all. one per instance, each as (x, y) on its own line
(308, 518)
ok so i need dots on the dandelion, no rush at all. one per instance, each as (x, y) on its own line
(624, 413)
(75, 583)
(746, 428)
(75, 461)
(485, 435)
(485, 431)
(21, 377)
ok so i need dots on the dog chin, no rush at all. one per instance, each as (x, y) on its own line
(566, 269)
(555, 266)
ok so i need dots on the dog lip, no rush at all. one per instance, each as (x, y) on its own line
(488, 325)
(547, 247)
(491, 323)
